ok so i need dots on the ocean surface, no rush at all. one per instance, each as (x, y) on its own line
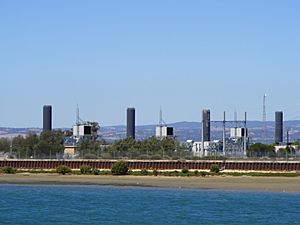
(46, 204)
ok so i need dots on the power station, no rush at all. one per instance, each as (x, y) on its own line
(47, 118)
(234, 143)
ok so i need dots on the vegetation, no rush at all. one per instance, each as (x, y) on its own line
(8, 170)
(185, 170)
(144, 172)
(95, 171)
(151, 148)
(214, 168)
(119, 168)
(63, 169)
(48, 145)
(86, 169)
(261, 150)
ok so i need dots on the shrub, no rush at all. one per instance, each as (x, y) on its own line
(196, 172)
(156, 157)
(95, 171)
(185, 170)
(63, 169)
(144, 172)
(9, 170)
(143, 156)
(119, 168)
(90, 156)
(203, 173)
(155, 172)
(214, 168)
(85, 169)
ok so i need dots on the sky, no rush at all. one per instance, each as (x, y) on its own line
(183, 56)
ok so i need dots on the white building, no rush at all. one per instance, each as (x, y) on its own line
(236, 133)
(164, 132)
(82, 130)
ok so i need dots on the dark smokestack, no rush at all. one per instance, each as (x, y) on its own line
(278, 127)
(206, 124)
(131, 123)
(47, 118)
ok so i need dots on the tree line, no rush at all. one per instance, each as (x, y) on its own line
(50, 145)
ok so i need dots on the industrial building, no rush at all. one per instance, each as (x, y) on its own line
(163, 131)
(206, 125)
(82, 130)
(278, 127)
(47, 118)
(131, 123)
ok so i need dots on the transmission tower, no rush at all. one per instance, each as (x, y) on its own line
(264, 120)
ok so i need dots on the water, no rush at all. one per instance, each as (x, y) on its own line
(37, 204)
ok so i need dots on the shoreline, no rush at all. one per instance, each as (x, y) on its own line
(243, 183)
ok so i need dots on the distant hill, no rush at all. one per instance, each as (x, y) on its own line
(183, 131)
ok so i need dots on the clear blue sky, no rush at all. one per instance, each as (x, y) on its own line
(182, 55)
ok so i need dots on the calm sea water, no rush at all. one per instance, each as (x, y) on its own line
(37, 204)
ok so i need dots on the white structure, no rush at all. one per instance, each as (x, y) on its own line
(236, 133)
(164, 132)
(82, 130)
(210, 147)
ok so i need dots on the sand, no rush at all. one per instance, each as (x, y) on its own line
(272, 184)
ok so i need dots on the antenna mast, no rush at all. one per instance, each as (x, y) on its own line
(264, 120)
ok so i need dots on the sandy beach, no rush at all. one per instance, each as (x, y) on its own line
(273, 184)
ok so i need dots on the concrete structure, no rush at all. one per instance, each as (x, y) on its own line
(278, 127)
(131, 123)
(47, 118)
(206, 125)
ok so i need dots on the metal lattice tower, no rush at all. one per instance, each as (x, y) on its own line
(264, 120)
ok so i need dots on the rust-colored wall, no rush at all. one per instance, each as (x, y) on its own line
(157, 165)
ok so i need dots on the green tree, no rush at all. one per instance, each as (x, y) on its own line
(261, 150)
(51, 143)
(4, 145)
(88, 148)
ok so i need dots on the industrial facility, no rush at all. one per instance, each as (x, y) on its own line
(163, 131)
(82, 130)
(234, 143)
